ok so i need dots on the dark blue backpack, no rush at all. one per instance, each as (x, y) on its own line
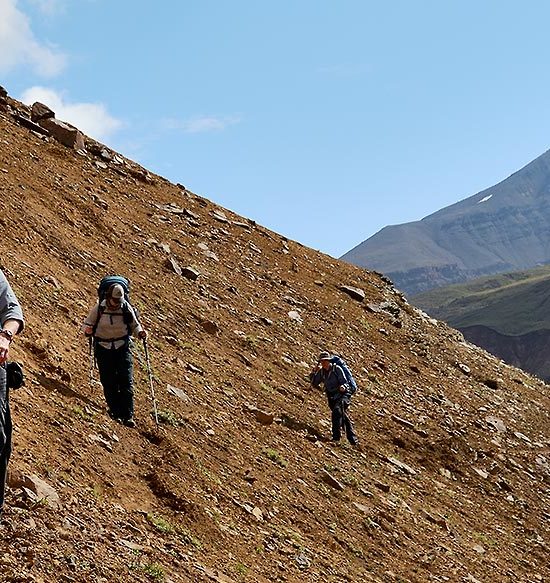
(347, 372)
(104, 286)
(108, 281)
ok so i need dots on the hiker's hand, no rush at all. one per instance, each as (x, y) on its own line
(142, 335)
(4, 349)
(342, 389)
(88, 330)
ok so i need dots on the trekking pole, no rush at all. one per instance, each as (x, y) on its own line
(151, 381)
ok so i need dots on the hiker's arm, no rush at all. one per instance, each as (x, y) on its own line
(89, 322)
(11, 317)
(13, 325)
(10, 311)
(137, 328)
(315, 376)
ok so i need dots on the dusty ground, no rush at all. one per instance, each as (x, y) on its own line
(451, 481)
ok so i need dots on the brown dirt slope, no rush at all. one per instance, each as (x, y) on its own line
(451, 479)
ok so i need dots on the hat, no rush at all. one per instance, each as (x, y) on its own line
(116, 292)
(324, 356)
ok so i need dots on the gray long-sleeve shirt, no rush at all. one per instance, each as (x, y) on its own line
(9, 305)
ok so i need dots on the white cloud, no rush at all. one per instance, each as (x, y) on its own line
(18, 45)
(90, 118)
(202, 123)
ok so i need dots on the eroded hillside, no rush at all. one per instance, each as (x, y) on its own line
(239, 482)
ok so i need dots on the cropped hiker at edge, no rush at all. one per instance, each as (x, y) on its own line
(338, 391)
(111, 323)
(11, 320)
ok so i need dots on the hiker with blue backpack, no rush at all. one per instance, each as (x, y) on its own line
(339, 385)
(110, 325)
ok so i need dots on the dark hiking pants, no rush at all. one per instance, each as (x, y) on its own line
(341, 420)
(116, 375)
(5, 434)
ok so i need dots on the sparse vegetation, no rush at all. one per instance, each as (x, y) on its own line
(241, 570)
(160, 523)
(188, 537)
(276, 457)
(168, 417)
(155, 571)
(79, 412)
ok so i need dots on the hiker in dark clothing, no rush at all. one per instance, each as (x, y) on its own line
(338, 395)
(11, 322)
(112, 322)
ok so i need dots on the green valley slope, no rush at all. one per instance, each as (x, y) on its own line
(508, 314)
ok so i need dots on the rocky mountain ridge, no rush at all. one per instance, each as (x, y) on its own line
(503, 228)
(240, 481)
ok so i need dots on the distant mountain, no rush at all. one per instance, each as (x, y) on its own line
(504, 228)
(507, 314)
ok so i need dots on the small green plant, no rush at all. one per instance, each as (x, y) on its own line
(167, 417)
(241, 570)
(208, 474)
(350, 480)
(188, 537)
(97, 491)
(265, 387)
(486, 540)
(294, 537)
(251, 342)
(155, 571)
(40, 503)
(276, 457)
(160, 523)
(79, 412)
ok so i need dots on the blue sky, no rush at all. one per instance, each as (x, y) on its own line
(322, 120)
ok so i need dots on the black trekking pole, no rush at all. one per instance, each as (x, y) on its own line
(151, 381)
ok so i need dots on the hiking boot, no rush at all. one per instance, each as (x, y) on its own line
(129, 422)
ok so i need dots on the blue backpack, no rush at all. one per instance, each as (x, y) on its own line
(347, 372)
(108, 281)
